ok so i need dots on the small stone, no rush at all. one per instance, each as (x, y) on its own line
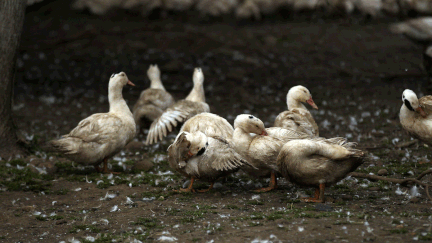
(347, 197)
(63, 221)
(323, 207)
(374, 188)
(414, 200)
(143, 165)
(382, 172)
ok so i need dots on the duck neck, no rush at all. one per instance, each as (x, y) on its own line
(241, 141)
(197, 93)
(293, 104)
(116, 101)
(405, 114)
(157, 84)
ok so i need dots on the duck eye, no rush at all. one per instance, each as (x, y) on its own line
(251, 117)
(122, 74)
(257, 126)
(188, 146)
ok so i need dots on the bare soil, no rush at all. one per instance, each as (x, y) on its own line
(354, 67)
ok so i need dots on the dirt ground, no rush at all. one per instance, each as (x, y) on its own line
(354, 67)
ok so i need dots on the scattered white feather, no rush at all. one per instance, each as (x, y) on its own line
(114, 208)
(300, 228)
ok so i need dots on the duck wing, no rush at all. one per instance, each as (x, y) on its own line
(426, 103)
(177, 113)
(223, 156)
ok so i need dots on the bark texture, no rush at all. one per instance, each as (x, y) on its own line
(11, 22)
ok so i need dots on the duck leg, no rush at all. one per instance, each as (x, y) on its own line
(272, 185)
(105, 169)
(318, 197)
(190, 187)
(208, 189)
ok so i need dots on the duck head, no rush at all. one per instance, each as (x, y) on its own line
(410, 100)
(301, 94)
(198, 143)
(120, 79)
(250, 124)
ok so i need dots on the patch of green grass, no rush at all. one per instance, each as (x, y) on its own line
(146, 222)
(41, 218)
(253, 224)
(84, 227)
(231, 206)
(22, 179)
(276, 215)
(56, 217)
(255, 202)
(428, 236)
(257, 216)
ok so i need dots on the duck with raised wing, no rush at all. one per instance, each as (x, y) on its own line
(152, 101)
(198, 156)
(318, 163)
(262, 147)
(180, 111)
(100, 136)
(210, 124)
(415, 116)
(298, 117)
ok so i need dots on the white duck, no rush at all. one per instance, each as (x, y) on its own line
(100, 136)
(318, 162)
(297, 117)
(202, 157)
(418, 30)
(180, 111)
(152, 101)
(262, 148)
(210, 124)
(415, 116)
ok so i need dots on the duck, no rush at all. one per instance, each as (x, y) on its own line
(298, 117)
(152, 101)
(180, 111)
(260, 146)
(415, 116)
(201, 157)
(318, 162)
(210, 124)
(100, 136)
(418, 30)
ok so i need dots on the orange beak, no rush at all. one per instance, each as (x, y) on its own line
(312, 103)
(190, 154)
(264, 133)
(421, 111)
(130, 83)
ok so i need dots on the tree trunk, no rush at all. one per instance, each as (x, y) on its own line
(11, 22)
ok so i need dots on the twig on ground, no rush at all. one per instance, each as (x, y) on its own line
(396, 180)
(406, 144)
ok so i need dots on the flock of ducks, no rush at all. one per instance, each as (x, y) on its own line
(208, 147)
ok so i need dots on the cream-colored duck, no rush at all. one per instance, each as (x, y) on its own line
(418, 30)
(297, 117)
(415, 115)
(152, 101)
(202, 157)
(210, 124)
(180, 111)
(261, 148)
(318, 162)
(100, 136)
